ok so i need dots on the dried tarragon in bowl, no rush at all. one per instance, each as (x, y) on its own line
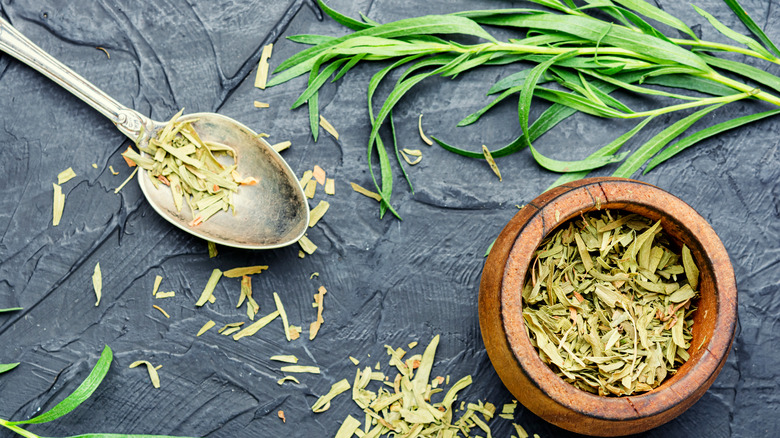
(609, 301)
(179, 158)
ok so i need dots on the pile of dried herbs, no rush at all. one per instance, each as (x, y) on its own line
(179, 158)
(608, 302)
(586, 51)
(405, 406)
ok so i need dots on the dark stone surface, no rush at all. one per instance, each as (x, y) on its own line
(389, 282)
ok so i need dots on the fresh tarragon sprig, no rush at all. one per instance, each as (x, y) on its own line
(71, 402)
(587, 57)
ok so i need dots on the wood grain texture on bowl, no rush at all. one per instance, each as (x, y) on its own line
(518, 363)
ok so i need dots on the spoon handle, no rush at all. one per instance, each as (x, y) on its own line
(17, 45)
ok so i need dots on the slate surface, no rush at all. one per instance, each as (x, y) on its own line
(389, 282)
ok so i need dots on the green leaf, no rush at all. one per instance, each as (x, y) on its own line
(593, 29)
(368, 20)
(348, 66)
(473, 117)
(341, 18)
(302, 61)
(5, 367)
(384, 163)
(644, 8)
(691, 140)
(636, 88)
(736, 36)
(585, 164)
(318, 82)
(527, 92)
(647, 150)
(494, 12)
(745, 70)
(693, 83)
(577, 102)
(398, 154)
(607, 150)
(747, 21)
(552, 4)
(11, 309)
(81, 394)
(310, 39)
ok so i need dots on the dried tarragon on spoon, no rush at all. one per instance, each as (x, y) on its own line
(179, 158)
(608, 303)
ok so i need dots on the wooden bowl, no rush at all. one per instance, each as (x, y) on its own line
(517, 362)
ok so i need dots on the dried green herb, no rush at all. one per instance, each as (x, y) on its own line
(212, 249)
(588, 52)
(248, 270)
(323, 403)
(288, 358)
(177, 157)
(318, 212)
(157, 281)
(287, 379)
(608, 304)
(283, 315)
(405, 405)
(65, 176)
(208, 291)
(307, 245)
(97, 283)
(58, 205)
(300, 369)
(153, 376)
(206, 327)
(255, 326)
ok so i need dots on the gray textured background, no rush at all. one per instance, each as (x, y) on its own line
(389, 282)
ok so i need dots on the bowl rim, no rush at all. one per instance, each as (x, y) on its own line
(558, 206)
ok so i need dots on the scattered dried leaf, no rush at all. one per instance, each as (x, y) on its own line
(278, 147)
(262, 67)
(422, 134)
(206, 327)
(306, 245)
(319, 175)
(310, 189)
(161, 310)
(157, 280)
(97, 283)
(328, 127)
(318, 212)
(255, 326)
(127, 180)
(248, 270)
(208, 291)
(153, 376)
(366, 192)
(491, 162)
(287, 358)
(406, 153)
(66, 175)
(300, 369)
(58, 205)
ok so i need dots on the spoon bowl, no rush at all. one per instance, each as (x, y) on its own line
(271, 214)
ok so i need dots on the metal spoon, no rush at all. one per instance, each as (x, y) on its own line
(271, 214)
